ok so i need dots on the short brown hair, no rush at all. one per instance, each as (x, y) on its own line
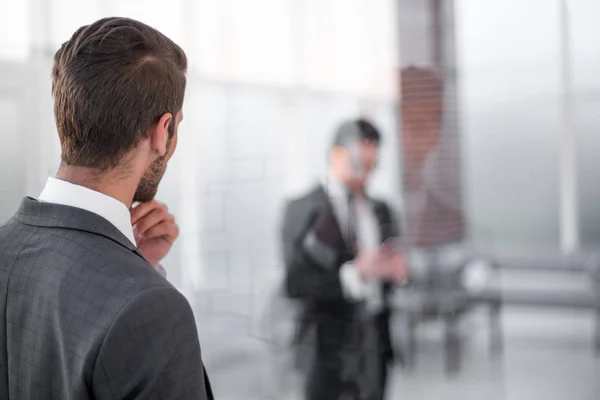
(111, 82)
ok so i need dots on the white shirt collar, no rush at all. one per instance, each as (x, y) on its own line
(67, 194)
(335, 188)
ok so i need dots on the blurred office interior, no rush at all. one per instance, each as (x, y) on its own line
(269, 80)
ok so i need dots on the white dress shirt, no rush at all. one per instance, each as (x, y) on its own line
(368, 239)
(68, 194)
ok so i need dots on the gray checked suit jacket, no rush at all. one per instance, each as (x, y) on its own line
(84, 316)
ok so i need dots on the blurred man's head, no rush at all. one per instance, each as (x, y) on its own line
(118, 88)
(355, 152)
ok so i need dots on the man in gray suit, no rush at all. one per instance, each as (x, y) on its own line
(83, 312)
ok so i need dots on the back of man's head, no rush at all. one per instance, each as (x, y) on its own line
(111, 82)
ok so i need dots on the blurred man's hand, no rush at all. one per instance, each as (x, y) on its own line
(367, 263)
(155, 230)
(383, 264)
(393, 267)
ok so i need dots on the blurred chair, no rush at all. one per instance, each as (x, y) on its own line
(437, 291)
(583, 267)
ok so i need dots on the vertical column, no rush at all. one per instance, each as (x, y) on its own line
(569, 210)
(431, 166)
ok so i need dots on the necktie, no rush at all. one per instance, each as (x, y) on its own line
(352, 225)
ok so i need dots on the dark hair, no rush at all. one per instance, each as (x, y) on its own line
(351, 132)
(111, 82)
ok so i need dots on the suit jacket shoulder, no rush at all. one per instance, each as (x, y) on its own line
(299, 211)
(69, 281)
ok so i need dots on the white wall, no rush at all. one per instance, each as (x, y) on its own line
(509, 74)
(510, 60)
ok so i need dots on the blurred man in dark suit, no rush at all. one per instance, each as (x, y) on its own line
(84, 314)
(339, 268)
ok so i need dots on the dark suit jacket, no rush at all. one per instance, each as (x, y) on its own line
(318, 288)
(84, 316)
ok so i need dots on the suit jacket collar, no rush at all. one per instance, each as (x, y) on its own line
(66, 193)
(50, 215)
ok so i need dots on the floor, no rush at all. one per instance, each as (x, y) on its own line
(547, 355)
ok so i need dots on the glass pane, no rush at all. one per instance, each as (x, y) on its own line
(169, 19)
(348, 46)
(585, 50)
(331, 45)
(15, 31)
(511, 168)
(68, 15)
(502, 55)
(207, 51)
(12, 166)
(510, 118)
(244, 41)
(586, 128)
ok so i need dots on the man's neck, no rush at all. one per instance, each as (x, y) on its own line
(338, 184)
(111, 183)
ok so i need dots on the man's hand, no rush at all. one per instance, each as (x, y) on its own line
(155, 230)
(367, 264)
(393, 267)
(383, 264)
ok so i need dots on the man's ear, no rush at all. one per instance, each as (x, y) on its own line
(159, 135)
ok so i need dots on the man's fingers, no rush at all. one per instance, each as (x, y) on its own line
(144, 209)
(168, 230)
(369, 263)
(154, 217)
(392, 266)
